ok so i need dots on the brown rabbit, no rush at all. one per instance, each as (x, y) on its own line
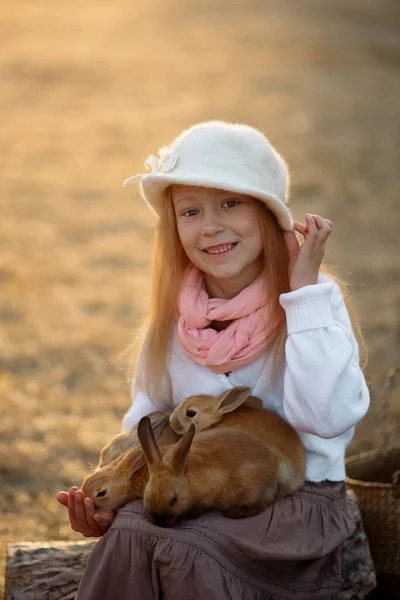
(123, 441)
(236, 408)
(118, 482)
(124, 478)
(225, 469)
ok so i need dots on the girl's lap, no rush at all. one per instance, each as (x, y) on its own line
(272, 555)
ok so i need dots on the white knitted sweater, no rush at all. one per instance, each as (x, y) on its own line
(321, 391)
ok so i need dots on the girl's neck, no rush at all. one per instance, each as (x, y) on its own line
(229, 288)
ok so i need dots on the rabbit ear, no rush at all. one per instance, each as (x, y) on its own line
(253, 401)
(148, 442)
(181, 450)
(233, 398)
(132, 461)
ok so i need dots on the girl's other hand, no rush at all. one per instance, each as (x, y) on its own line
(305, 259)
(82, 515)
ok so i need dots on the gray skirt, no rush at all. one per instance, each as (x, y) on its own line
(291, 550)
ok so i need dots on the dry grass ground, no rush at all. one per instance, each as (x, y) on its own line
(88, 90)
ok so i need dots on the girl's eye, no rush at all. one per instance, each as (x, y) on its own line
(192, 212)
(231, 203)
(173, 501)
(190, 413)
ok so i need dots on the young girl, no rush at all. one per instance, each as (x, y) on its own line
(237, 301)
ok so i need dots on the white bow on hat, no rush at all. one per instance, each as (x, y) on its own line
(157, 165)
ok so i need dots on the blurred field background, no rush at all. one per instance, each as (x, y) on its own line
(88, 91)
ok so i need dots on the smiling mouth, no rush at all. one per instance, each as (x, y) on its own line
(221, 249)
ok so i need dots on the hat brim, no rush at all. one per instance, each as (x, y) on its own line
(153, 187)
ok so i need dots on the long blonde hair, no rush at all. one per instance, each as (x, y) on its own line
(169, 265)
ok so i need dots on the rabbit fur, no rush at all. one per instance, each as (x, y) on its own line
(123, 441)
(236, 408)
(123, 478)
(226, 469)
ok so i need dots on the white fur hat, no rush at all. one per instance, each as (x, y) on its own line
(226, 156)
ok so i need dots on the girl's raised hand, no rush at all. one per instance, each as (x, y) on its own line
(305, 259)
(82, 515)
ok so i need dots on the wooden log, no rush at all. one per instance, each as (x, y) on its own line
(45, 571)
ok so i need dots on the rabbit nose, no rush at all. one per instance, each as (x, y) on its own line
(101, 493)
(158, 520)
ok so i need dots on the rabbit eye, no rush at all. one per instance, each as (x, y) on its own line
(173, 501)
(101, 494)
(190, 412)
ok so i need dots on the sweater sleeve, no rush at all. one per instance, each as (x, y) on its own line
(325, 392)
(142, 404)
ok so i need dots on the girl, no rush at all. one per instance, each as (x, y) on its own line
(237, 301)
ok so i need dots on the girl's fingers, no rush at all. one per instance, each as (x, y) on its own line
(71, 509)
(300, 227)
(62, 498)
(324, 226)
(321, 222)
(323, 235)
(80, 513)
(316, 227)
(93, 526)
(77, 513)
(311, 225)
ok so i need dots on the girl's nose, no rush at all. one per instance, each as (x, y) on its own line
(211, 225)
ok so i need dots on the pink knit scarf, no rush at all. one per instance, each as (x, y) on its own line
(241, 342)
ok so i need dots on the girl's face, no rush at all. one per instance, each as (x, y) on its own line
(220, 233)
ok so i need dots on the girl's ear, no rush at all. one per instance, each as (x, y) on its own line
(232, 399)
(148, 442)
(181, 450)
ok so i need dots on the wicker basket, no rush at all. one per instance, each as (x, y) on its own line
(375, 478)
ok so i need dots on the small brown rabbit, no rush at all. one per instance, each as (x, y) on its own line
(236, 408)
(123, 441)
(124, 477)
(225, 469)
(118, 482)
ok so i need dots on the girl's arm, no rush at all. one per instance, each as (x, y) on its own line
(143, 405)
(324, 388)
